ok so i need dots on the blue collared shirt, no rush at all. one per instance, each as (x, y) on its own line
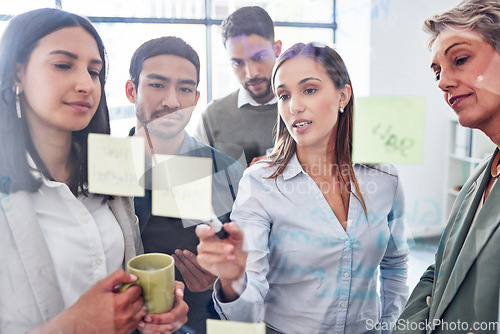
(305, 273)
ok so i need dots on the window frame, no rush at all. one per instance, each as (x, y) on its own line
(208, 22)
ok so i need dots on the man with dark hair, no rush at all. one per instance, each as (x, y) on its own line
(164, 76)
(247, 116)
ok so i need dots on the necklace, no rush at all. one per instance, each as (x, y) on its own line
(494, 171)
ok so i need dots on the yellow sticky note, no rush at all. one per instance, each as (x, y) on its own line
(232, 327)
(388, 129)
(115, 165)
(182, 187)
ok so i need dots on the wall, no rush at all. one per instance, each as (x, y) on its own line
(386, 38)
(399, 65)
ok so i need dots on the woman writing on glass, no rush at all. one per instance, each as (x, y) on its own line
(316, 226)
(62, 248)
(460, 292)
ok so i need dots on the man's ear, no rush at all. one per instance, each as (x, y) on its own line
(197, 97)
(130, 91)
(277, 48)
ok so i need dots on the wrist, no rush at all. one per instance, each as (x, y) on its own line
(232, 289)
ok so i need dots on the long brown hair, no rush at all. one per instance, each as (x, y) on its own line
(18, 41)
(340, 144)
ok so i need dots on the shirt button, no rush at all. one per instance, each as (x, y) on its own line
(85, 220)
(343, 305)
(346, 274)
(98, 261)
(347, 242)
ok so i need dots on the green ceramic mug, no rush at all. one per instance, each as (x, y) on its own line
(156, 277)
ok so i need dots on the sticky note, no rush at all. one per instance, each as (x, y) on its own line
(182, 186)
(388, 129)
(232, 327)
(115, 165)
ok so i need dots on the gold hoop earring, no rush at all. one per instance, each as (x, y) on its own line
(18, 104)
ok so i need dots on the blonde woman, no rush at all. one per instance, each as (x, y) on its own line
(460, 292)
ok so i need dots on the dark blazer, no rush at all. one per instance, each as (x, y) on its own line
(461, 291)
(29, 292)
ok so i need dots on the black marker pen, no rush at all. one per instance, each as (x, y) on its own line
(217, 225)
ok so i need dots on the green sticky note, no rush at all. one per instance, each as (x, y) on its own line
(115, 165)
(232, 327)
(388, 129)
(182, 187)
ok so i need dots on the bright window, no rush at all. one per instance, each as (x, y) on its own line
(126, 24)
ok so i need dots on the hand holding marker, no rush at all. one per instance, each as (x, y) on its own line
(218, 226)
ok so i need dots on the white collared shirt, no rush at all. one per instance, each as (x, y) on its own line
(304, 272)
(244, 97)
(84, 238)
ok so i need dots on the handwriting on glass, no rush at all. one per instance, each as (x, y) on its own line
(391, 141)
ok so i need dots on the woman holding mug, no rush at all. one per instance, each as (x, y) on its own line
(62, 248)
(317, 228)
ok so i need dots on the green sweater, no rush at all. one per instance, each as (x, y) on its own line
(249, 128)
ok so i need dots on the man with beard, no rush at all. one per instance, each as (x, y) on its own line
(164, 76)
(247, 116)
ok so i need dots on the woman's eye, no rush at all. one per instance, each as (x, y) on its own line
(94, 73)
(461, 60)
(437, 76)
(63, 66)
(310, 91)
(282, 97)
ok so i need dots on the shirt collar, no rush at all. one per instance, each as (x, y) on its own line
(31, 164)
(188, 144)
(293, 168)
(244, 98)
(38, 175)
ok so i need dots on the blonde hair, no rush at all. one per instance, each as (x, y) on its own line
(481, 16)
